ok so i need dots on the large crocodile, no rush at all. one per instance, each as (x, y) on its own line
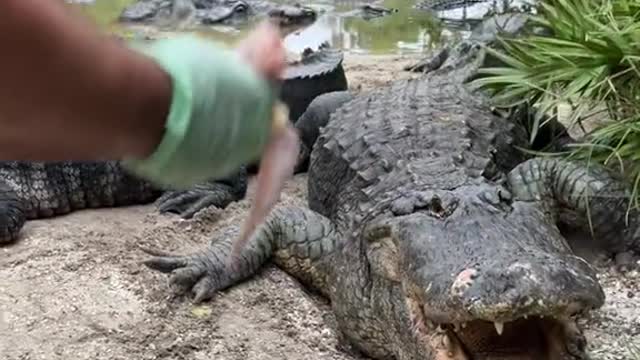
(209, 12)
(431, 237)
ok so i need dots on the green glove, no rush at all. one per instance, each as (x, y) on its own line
(220, 115)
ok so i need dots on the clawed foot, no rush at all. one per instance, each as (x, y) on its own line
(201, 273)
(187, 203)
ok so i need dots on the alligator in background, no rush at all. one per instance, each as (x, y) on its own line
(316, 72)
(432, 237)
(465, 13)
(509, 24)
(370, 11)
(450, 56)
(210, 12)
(35, 190)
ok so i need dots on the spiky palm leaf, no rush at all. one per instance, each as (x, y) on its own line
(590, 60)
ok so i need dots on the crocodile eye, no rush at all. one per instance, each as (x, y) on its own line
(241, 8)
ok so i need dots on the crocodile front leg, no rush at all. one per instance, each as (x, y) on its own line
(581, 196)
(298, 240)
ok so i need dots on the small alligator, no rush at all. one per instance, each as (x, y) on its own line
(430, 235)
(210, 12)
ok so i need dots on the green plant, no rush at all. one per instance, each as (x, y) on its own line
(589, 60)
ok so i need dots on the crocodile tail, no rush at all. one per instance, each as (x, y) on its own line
(12, 213)
(36, 190)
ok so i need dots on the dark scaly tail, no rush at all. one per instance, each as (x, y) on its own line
(36, 190)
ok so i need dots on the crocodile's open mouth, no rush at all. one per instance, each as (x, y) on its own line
(531, 338)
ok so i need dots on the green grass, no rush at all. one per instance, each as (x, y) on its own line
(591, 61)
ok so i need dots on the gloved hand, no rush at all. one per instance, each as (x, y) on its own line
(221, 110)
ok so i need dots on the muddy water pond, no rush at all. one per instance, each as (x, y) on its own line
(406, 31)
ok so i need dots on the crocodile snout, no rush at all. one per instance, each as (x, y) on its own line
(484, 281)
(506, 310)
(494, 291)
(501, 271)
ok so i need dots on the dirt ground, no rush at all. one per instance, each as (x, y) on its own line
(73, 288)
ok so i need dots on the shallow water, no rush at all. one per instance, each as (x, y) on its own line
(407, 31)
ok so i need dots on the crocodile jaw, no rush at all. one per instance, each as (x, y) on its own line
(525, 338)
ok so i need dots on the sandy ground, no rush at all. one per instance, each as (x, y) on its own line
(73, 288)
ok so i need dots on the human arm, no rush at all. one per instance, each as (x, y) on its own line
(174, 109)
(69, 92)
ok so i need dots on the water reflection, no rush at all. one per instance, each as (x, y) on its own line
(104, 12)
(406, 31)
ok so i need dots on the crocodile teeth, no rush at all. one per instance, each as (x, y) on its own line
(499, 327)
(448, 344)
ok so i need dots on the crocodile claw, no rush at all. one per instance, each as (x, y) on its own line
(165, 264)
(196, 273)
(188, 202)
(187, 276)
(216, 192)
(204, 289)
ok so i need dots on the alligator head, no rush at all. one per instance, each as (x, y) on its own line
(370, 11)
(479, 276)
(224, 12)
(210, 12)
(292, 15)
(232, 11)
